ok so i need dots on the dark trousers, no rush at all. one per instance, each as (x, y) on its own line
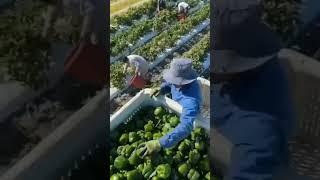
(254, 113)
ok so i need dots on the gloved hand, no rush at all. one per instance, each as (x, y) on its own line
(155, 91)
(149, 148)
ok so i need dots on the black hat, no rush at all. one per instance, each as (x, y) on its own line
(241, 40)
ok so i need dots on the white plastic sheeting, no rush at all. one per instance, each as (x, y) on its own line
(206, 63)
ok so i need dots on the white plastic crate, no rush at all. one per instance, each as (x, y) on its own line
(143, 99)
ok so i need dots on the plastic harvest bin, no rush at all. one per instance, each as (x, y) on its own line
(143, 99)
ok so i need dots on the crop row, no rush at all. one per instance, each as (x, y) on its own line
(22, 50)
(198, 52)
(147, 9)
(144, 31)
(127, 18)
(24, 54)
(118, 78)
(167, 39)
(121, 41)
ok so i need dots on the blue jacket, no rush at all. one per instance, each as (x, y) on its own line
(254, 113)
(189, 97)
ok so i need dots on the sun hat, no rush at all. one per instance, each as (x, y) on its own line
(180, 72)
(242, 41)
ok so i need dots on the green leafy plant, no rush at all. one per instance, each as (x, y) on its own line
(23, 52)
(127, 18)
(198, 52)
(282, 16)
(117, 77)
(121, 41)
(167, 39)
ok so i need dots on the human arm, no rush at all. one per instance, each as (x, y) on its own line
(189, 113)
(51, 15)
(87, 9)
(137, 66)
(164, 88)
(125, 67)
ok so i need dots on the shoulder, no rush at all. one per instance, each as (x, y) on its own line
(195, 85)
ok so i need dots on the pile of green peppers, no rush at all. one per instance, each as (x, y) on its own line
(187, 160)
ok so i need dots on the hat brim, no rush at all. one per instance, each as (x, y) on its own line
(228, 63)
(176, 80)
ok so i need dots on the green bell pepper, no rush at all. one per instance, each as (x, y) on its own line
(134, 159)
(159, 111)
(177, 158)
(163, 171)
(135, 144)
(174, 121)
(168, 152)
(147, 170)
(199, 132)
(193, 174)
(133, 137)
(149, 126)
(184, 145)
(128, 150)
(183, 169)
(124, 138)
(148, 136)
(116, 177)
(166, 128)
(204, 165)
(164, 118)
(208, 176)
(140, 167)
(193, 136)
(157, 135)
(134, 175)
(200, 146)
(194, 156)
(121, 163)
(140, 134)
(121, 150)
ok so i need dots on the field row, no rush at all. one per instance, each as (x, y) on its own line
(158, 45)
(123, 43)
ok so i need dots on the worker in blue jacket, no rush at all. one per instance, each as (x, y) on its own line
(250, 101)
(181, 81)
